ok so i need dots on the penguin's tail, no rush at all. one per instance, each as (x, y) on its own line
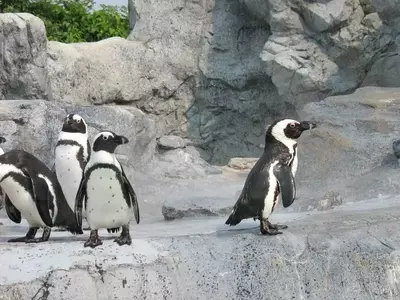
(233, 220)
(113, 230)
(74, 229)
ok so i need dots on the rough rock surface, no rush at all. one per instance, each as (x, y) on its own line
(169, 142)
(34, 125)
(326, 47)
(214, 73)
(349, 154)
(23, 58)
(242, 163)
(193, 66)
(351, 151)
(352, 253)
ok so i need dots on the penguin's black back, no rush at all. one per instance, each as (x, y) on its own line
(255, 189)
(25, 160)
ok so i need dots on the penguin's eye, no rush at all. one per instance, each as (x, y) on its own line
(78, 121)
(292, 125)
(105, 137)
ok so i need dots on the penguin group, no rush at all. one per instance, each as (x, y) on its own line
(87, 182)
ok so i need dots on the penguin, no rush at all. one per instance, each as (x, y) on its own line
(72, 152)
(2, 141)
(33, 192)
(396, 150)
(271, 176)
(2, 194)
(106, 192)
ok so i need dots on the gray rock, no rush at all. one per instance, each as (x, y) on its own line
(373, 21)
(34, 125)
(351, 149)
(231, 68)
(242, 163)
(352, 253)
(196, 207)
(311, 63)
(105, 72)
(384, 72)
(330, 200)
(171, 142)
(208, 85)
(388, 10)
(23, 46)
(326, 15)
(179, 163)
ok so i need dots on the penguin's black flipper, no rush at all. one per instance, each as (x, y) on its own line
(287, 186)
(79, 200)
(89, 150)
(43, 198)
(132, 196)
(13, 213)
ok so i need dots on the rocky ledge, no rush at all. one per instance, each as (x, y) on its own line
(353, 252)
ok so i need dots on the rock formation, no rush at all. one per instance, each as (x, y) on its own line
(214, 73)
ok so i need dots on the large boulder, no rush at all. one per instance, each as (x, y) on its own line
(351, 150)
(23, 57)
(325, 47)
(204, 82)
(34, 126)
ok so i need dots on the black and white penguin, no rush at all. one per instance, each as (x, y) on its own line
(396, 150)
(71, 155)
(109, 198)
(2, 140)
(2, 194)
(33, 192)
(271, 176)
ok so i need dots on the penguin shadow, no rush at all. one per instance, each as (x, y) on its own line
(240, 229)
(58, 235)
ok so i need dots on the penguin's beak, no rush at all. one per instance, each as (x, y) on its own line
(119, 140)
(2, 140)
(307, 125)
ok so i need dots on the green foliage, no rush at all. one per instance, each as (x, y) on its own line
(71, 21)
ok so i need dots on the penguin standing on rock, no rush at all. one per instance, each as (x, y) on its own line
(2, 140)
(2, 194)
(71, 155)
(33, 192)
(271, 176)
(109, 198)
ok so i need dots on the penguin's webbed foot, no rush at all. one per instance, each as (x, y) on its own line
(30, 235)
(276, 226)
(45, 236)
(18, 240)
(35, 240)
(125, 237)
(265, 228)
(93, 240)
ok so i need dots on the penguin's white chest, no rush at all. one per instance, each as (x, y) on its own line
(69, 172)
(271, 199)
(106, 205)
(23, 201)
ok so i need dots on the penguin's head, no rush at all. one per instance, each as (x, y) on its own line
(74, 123)
(2, 140)
(108, 141)
(288, 129)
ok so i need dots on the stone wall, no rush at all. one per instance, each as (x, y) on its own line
(215, 73)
